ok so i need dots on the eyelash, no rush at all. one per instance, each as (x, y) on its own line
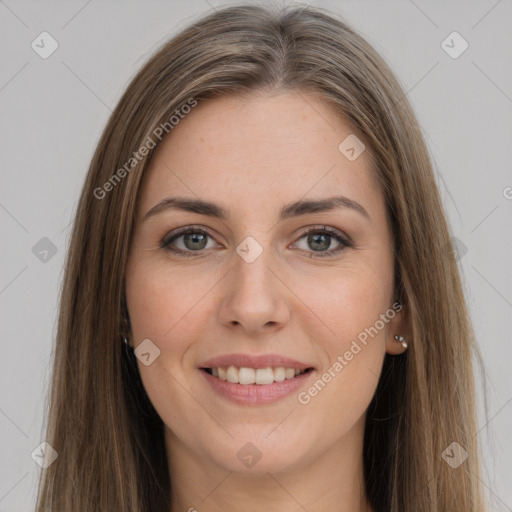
(323, 230)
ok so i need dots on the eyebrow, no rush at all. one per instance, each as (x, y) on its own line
(294, 209)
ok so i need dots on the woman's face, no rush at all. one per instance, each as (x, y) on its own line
(253, 290)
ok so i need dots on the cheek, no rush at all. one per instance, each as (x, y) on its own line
(347, 302)
(338, 399)
(350, 307)
(343, 388)
(162, 303)
(166, 307)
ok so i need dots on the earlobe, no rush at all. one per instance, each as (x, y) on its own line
(398, 341)
(401, 339)
(125, 322)
(397, 345)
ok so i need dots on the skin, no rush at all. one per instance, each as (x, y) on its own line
(239, 151)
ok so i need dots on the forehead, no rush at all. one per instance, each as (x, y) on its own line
(247, 149)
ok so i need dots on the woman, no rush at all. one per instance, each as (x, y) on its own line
(261, 308)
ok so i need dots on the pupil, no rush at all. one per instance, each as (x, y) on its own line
(195, 238)
(326, 241)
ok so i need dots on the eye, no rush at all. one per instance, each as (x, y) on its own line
(194, 239)
(320, 238)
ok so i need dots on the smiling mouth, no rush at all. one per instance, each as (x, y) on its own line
(261, 376)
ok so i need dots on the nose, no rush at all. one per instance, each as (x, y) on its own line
(255, 299)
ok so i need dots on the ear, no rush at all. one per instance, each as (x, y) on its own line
(398, 325)
(125, 319)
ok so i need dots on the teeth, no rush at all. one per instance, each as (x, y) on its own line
(232, 374)
(289, 373)
(264, 376)
(279, 374)
(246, 376)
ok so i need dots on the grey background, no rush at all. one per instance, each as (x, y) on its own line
(53, 111)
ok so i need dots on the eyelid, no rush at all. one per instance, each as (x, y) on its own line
(335, 232)
(165, 243)
(343, 239)
(184, 230)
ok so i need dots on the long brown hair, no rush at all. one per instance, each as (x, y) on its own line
(100, 421)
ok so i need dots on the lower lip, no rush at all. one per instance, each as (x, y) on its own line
(256, 393)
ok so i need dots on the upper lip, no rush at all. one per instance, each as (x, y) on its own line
(254, 361)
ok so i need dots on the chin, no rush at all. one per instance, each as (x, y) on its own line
(257, 455)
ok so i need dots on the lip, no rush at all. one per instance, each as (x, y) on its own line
(256, 394)
(254, 361)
